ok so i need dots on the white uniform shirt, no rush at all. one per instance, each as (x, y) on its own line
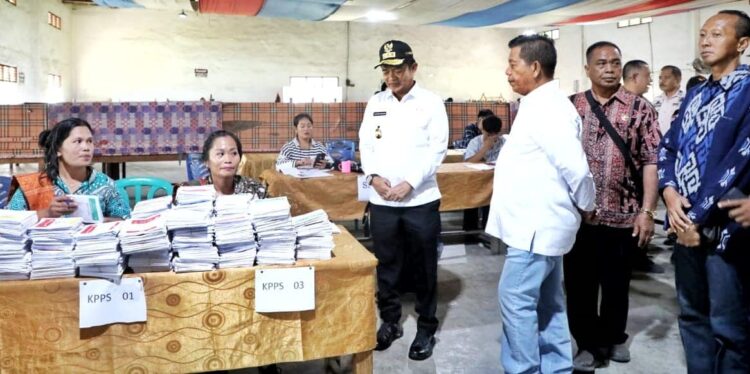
(667, 106)
(542, 176)
(413, 142)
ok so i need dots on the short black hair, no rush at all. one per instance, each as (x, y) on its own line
(590, 50)
(52, 139)
(537, 48)
(742, 27)
(674, 70)
(492, 124)
(300, 117)
(631, 67)
(694, 81)
(484, 113)
(212, 137)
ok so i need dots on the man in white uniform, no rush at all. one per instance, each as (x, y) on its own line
(542, 183)
(403, 139)
(668, 103)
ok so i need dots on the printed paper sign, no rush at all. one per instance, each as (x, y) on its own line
(363, 189)
(102, 302)
(285, 290)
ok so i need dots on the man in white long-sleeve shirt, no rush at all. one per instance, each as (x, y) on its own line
(542, 184)
(403, 140)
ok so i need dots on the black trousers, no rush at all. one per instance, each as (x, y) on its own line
(405, 241)
(600, 259)
(472, 220)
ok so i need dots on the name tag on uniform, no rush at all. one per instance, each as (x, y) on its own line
(378, 114)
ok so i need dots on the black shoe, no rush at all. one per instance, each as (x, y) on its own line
(387, 333)
(269, 369)
(421, 347)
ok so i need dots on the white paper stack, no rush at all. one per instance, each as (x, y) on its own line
(150, 262)
(97, 251)
(15, 258)
(191, 224)
(147, 244)
(234, 234)
(273, 225)
(314, 235)
(196, 196)
(53, 240)
(148, 208)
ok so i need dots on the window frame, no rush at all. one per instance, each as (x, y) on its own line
(8, 73)
(636, 21)
(54, 20)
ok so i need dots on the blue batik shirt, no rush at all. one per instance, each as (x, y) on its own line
(98, 184)
(707, 150)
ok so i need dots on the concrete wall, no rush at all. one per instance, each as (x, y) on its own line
(142, 54)
(37, 49)
(668, 40)
(135, 54)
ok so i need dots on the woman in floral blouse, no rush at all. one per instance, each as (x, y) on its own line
(68, 155)
(222, 152)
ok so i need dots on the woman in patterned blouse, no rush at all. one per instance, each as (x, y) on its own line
(222, 152)
(68, 154)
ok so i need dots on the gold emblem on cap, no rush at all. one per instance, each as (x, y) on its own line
(388, 47)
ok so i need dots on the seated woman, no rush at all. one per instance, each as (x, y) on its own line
(68, 154)
(303, 150)
(222, 152)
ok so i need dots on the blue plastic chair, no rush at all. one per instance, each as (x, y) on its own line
(4, 190)
(137, 183)
(341, 150)
(195, 167)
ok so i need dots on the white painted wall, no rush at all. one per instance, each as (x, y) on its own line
(135, 54)
(37, 49)
(668, 40)
(142, 54)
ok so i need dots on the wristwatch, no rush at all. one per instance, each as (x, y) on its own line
(369, 179)
(650, 213)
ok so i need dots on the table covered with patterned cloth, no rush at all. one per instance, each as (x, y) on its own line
(254, 164)
(197, 322)
(462, 188)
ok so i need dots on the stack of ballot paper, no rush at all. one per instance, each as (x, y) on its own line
(147, 244)
(273, 226)
(314, 235)
(97, 251)
(15, 258)
(148, 208)
(53, 241)
(234, 234)
(192, 227)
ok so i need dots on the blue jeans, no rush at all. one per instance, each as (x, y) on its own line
(535, 326)
(712, 291)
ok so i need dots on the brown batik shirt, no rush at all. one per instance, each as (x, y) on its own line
(635, 120)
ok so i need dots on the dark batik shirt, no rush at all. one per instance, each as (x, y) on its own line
(635, 120)
(707, 151)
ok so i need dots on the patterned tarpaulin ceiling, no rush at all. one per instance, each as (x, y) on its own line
(457, 13)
